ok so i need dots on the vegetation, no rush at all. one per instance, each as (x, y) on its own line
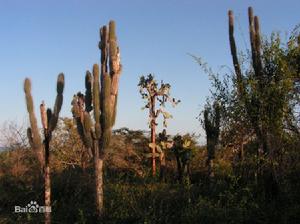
(247, 172)
(153, 94)
(96, 135)
(49, 121)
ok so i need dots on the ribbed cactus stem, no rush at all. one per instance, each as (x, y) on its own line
(114, 63)
(58, 101)
(34, 131)
(44, 118)
(88, 92)
(235, 60)
(106, 113)
(100, 98)
(49, 122)
(103, 45)
(257, 46)
(87, 125)
(114, 112)
(96, 100)
(252, 35)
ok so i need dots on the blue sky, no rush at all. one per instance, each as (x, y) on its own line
(39, 39)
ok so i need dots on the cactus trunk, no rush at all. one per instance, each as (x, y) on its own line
(49, 121)
(47, 180)
(98, 166)
(101, 97)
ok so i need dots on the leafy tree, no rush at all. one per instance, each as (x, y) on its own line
(154, 94)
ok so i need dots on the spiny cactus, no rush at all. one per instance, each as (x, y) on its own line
(212, 117)
(101, 98)
(253, 102)
(49, 121)
(33, 134)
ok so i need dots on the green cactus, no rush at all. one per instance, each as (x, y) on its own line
(103, 101)
(49, 121)
(33, 132)
(262, 92)
(253, 99)
(212, 115)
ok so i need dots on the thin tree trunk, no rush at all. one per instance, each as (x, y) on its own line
(153, 127)
(47, 180)
(98, 162)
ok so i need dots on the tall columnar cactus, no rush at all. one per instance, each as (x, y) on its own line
(253, 101)
(49, 121)
(101, 98)
(264, 92)
(153, 93)
(212, 130)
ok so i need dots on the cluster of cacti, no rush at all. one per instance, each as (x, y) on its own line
(264, 91)
(152, 92)
(258, 87)
(253, 104)
(49, 121)
(102, 100)
(212, 117)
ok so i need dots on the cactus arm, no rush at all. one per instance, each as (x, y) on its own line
(44, 117)
(58, 102)
(35, 135)
(88, 92)
(233, 50)
(87, 127)
(257, 46)
(106, 113)
(96, 100)
(252, 36)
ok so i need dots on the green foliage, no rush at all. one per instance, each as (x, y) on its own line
(265, 88)
(151, 91)
(184, 147)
